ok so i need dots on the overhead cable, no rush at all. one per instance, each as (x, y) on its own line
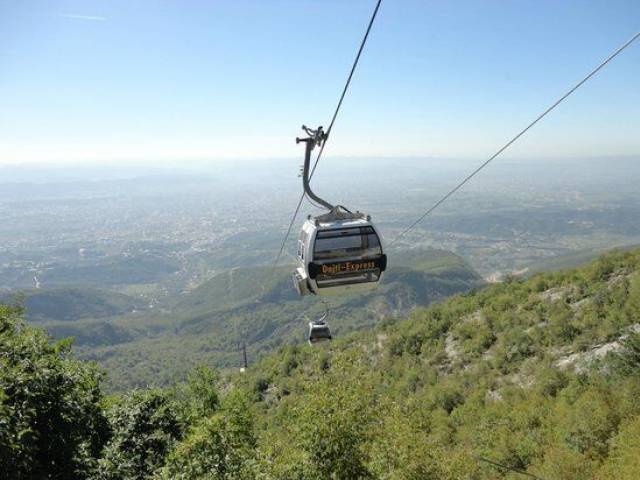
(514, 139)
(328, 131)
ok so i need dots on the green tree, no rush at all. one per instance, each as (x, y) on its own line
(562, 463)
(145, 428)
(221, 446)
(587, 424)
(627, 361)
(334, 418)
(624, 460)
(51, 423)
(200, 393)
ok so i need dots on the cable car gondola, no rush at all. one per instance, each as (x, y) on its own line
(339, 250)
(319, 331)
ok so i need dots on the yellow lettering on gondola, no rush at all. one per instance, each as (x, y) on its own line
(346, 267)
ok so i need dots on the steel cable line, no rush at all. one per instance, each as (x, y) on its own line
(505, 467)
(328, 132)
(514, 139)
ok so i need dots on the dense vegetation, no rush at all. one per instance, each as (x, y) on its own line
(540, 376)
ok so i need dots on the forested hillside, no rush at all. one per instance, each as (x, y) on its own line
(258, 306)
(539, 376)
(68, 304)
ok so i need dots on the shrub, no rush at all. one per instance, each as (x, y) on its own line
(145, 428)
(51, 423)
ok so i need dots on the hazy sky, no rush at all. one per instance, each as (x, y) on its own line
(118, 81)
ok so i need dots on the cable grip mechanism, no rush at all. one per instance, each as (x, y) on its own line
(315, 138)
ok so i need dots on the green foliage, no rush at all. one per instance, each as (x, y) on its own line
(564, 463)
(475, 376)
(333, 422)
(624, 460)
(145, 428)
(587, 424)
(51, 423)
(514, 373)
(202, 392)
(627, 362)
(220, 446)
